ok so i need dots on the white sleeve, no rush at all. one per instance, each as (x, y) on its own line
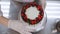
(1, 14)
(17, 26)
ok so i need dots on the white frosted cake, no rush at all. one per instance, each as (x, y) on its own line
(30, 13)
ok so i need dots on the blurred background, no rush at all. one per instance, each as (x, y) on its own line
(52, 9)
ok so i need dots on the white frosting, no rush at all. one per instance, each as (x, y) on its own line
(32, 12)
(36, 27)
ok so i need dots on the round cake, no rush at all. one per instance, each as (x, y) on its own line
(33, 17)
(32, 13)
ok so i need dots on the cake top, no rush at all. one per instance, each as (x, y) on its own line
(32, 13)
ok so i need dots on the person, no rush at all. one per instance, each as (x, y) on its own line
(15, 24)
